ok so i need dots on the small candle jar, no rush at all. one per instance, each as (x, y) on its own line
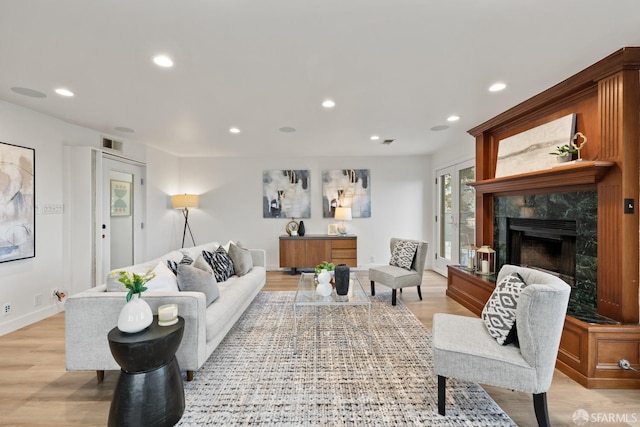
(485, 261)
(168, 314)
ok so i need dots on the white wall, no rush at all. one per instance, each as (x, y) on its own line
(231, 202)
(52, 267)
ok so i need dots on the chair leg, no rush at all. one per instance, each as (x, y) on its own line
(419, 293)
(373, 288)
(540, 408)
(400, 290)
(100, 375)
(393, 297)
(442, 394)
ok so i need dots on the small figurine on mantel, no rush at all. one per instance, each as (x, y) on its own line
(577, 146)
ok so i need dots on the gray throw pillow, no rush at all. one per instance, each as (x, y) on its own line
(499, 314)
(193, 279)
(403, 254)
(241, 258)
(202, 264)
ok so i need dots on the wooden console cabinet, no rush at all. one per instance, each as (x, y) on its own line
(310, 250)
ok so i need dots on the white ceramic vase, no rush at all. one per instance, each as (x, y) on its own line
(135, 316)
(324, 283)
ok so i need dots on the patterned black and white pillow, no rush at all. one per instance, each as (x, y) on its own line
(403, 254)
(499, 314)
(173, 266)
(220, 263)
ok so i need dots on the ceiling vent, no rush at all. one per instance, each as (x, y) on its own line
(112, 144)
(388, 141)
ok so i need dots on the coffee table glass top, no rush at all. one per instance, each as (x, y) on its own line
(307, 295)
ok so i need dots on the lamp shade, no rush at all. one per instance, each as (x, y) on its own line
(343, 214)
(181, 201)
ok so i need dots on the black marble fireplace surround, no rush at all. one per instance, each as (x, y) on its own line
(563, 226)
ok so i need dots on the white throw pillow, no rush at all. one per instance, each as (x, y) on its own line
(165, 280)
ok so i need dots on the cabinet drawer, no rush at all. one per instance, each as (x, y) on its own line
(344, 244)
(343, 253)
(351, 262)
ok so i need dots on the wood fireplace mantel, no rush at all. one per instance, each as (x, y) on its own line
(562, 176)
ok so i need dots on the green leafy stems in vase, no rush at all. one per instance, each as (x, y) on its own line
(135, 283)
(324, 265)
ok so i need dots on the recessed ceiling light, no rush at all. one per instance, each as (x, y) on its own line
(439, 128)
(28, 92)
(234, 130)
(453, 118)
(375, 137)
(163, 61)
(497, 87)
(287, 129)
(124, 129)
(64, 92)
(328, 103)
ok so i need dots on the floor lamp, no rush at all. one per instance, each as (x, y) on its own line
(184, 202)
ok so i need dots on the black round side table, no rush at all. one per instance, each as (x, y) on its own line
(149, 391)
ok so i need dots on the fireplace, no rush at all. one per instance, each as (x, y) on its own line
(546, 244)
(552, 231)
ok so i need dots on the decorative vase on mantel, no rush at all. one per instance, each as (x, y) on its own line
(301, 229)
(135, 316)
(324, 283)
(342, 279)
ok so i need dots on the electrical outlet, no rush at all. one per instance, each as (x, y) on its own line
(37, 300)
(6, 309)
(372, 259)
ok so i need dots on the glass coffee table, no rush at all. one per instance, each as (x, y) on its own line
(323, 307)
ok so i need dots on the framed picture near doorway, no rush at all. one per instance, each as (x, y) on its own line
(17, 202)
(120, 198)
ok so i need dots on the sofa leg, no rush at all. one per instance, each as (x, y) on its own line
(189, 375)
(393, 297)
(100, 376)
(442, 394)
(419, 293)
(540, 408)
(373, 288)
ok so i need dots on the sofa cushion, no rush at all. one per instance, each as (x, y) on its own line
(403, 254)
(173, 266)
(220, 263)
(499, 314)
(165, 280)
(191, 278)
(241, 258)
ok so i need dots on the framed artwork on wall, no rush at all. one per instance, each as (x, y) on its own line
(17, 202)
(346, 188)
(286, 193)
(120, 198)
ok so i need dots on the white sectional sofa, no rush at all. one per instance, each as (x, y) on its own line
(91, 314)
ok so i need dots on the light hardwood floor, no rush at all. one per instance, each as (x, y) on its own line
(36, 390)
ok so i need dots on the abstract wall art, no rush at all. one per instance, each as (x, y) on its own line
(346, 188)
(120, 198)
(286, 193)
(17, 202)
(528, 151)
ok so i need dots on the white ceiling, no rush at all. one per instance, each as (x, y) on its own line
(395, 68)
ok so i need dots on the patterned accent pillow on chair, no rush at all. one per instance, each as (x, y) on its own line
(499, 314)
(403, 254)
(220, 262)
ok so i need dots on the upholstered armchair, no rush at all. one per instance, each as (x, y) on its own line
(404, 269)
(469, 348)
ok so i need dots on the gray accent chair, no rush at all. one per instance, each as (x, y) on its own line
(397, 277)
(463, 348)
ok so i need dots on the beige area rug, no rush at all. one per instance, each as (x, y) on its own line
(253, 377)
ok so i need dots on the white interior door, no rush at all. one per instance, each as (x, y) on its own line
(123, 207)
(455, 217)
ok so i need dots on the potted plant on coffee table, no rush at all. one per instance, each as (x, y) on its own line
(324, 265)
